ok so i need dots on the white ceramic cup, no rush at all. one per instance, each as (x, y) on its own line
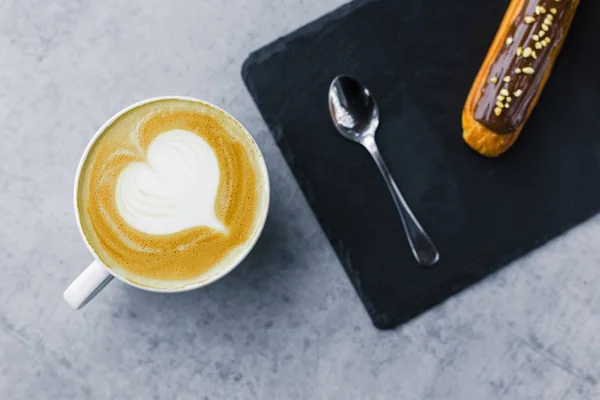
(97, 275)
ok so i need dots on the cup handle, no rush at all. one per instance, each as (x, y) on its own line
(88, 284)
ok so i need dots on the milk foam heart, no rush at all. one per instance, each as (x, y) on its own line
(175, 189)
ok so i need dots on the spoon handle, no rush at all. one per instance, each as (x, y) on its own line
(421, 245)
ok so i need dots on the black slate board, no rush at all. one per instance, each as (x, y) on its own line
(419, 59)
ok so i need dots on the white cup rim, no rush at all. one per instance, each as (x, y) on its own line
(224, 271)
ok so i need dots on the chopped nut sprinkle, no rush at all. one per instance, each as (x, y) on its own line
(528, 70)
(539, 40)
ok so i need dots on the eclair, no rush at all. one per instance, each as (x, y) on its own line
(514, 73)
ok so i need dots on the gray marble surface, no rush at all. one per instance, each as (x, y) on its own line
(287, 323)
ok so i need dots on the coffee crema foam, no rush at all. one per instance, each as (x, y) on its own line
(171, 191)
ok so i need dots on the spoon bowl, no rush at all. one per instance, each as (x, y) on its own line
(353, 109)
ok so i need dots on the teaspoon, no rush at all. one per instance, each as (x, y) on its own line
(356, 117)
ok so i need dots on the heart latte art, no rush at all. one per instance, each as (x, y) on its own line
(171, 191)
(174, 189)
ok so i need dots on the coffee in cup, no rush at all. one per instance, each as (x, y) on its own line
(171, 192)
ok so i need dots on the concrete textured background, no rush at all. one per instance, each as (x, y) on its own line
(287, 323)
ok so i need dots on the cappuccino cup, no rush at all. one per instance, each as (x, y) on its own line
(171, 194)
